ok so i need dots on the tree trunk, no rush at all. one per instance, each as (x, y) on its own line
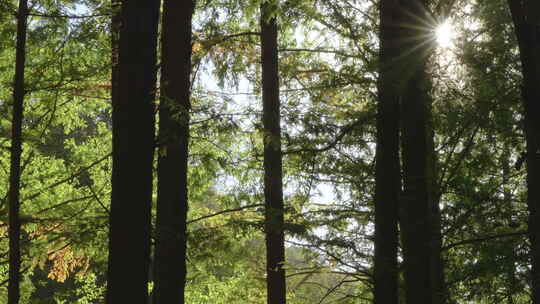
(172, 200)
(416, 155)
(387, 173)
(526, 18)
(15, 161)
(438, 285)
(273, 187)
(133, 147)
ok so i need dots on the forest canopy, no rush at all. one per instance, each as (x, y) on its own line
(270, 151)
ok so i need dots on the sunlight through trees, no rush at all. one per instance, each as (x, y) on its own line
(300, 152)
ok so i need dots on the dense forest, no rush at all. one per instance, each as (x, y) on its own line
(269, 151)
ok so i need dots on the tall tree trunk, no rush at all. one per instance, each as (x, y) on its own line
(172, 200)
(416, 154)
(438, 284)
(273, 186)
(15, 164)
(133, 147)
(512, 282)
(526, 18)
(387, 172)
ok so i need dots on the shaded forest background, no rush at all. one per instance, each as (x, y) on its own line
(330, 81)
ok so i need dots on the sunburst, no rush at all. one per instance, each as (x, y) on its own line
(444, 34)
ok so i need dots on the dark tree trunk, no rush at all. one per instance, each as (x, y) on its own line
(387, 172)
(439, 292)
(416, 153)
(438, 285)
(526, 18)
(416, 198)
(133, 147)
(273, 187)
(15, 164)
(172, 200)
(513, 282)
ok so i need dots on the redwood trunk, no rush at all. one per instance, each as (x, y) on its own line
(387, 172)
(416, 153)
(15, 162)
(134, 79)
(273, 187)
(172, 200)
(526, 17)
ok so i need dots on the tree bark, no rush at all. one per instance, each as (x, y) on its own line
(273, 187)
(172, 200)
(15, 158)
(133, 147)
(526, 18)
(417, 176)
(387, 170)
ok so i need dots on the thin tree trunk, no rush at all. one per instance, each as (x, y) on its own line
(513, 281)
(133, 147)
(416, 155)
(439, 292)
(172, 200)
(526, 18)
(438, 284)
(15, 164)
(273, 187)
(387, 172)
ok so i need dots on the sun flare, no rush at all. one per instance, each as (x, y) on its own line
(444, 34)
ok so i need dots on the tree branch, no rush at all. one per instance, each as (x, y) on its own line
(483, 239)
(224, 212)
(344, 131)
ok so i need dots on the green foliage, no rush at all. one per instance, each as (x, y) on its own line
(328, 73)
